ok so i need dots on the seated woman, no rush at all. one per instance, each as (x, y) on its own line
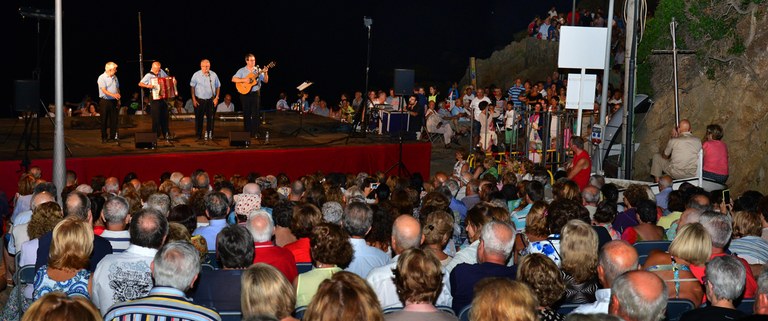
(266, 291)
(304, 217)
(646, 229)
(604, 216)
(419, 280)
(330, 247)
(691, 246)
(58, 306)
(542, 275)
(746, 242)
(67, 268)
(578, 251)
(535, 238)
(345, 296)
(498, 299)
(437, 231)
(234, 249)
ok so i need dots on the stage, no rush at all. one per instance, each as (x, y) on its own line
(298, 145)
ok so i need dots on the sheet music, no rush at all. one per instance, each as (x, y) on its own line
(304, 85)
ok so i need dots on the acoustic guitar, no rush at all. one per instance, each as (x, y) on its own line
(245, 87)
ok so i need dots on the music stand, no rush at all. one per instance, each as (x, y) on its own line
(400, 165)
(301, 129)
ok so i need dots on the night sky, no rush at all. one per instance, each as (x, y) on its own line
(320, 41)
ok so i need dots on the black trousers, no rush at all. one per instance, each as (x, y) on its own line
(205, 109)
(159, 111)
(251, 109)
(109, 112)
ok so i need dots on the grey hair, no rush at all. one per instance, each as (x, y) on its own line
(179, 199)
(607, 260)
(260, 233)
(332, 212)
(176, 177)
(176, 265)
(403, 241)
(159, 202)
(727, 276)
(632, 303)
(597, 181)
(718, 226)
(112, 186)
(252, 188)
(762, 282)
(693, 216)
(353, 192)
(78, 206)
(492, 242)
(185, 183)
(453, 186)
(358, 219)
(115, 210)
(591, 196)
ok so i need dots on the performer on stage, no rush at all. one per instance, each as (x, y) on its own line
(252, 100)
(109, 92)
(205, 87)
(158, 107)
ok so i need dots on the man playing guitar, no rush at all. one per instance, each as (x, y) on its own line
(251, 101)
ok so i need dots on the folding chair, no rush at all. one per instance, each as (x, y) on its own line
(231, 315)
(645, 247)
(299, 312)
(446, 309)
(567, 308)
(303, 267)
(464, 314)
(676, 308)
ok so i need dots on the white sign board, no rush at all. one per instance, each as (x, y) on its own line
(582, 47)
(581, 91)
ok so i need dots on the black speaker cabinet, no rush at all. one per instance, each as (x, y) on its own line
(146, 140)
(27, 95)
(239, 139)
(404, 81)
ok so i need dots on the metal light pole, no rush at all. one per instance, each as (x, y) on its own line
(59, 162)
(604, 95)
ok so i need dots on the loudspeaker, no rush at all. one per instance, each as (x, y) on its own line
(27, 95)
(146, 140)
(404, 81)
(239, 139)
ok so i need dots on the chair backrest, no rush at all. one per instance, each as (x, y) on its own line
(641, 259)
(464, 313)
(303, 267)
(567, 308)
(231, 315)
(446, 309)
(299, 312)
(210, 259)
(676, 308)
(645, 247)
(392, 309)
(27, 274)
(746, 306)
(207, 267)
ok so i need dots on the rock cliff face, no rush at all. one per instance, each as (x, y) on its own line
(529, 58)
(718, 85)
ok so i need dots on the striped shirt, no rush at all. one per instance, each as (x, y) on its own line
(162, 304)
(751, 248)
(514, 94)
(119, 239)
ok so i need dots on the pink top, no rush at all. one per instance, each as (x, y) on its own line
(715, 157)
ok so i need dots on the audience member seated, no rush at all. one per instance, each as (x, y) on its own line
(746, 242)
(345, 296)
(760, 308)
(578, 251)
(66, 270)
(632, 197)
(534, 191)
(357, 222)
(665, 187)
(604, 216)
(496, 242)
(615, 258)
(543, 277)
(675, 207)
(437, 231)
(261, 228)
(680, 157)
(127, 275)
(419, 281)
(646, 229)
(220, 289)
(183, 214)
(692, 246)
(330, 249)
(477, 217)
(174, 269)
(724, 283)
(535, 238)
(266, 291)
(499, 298)
(116, 220)
(18, 231)
(216, 210)
(304, 218)
(638, 296)
(58, 306)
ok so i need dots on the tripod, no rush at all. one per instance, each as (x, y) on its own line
(301, 125)
(401, 169)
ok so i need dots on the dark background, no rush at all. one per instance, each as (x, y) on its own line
(320, 41)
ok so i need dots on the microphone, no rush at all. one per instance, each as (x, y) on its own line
(167, 71)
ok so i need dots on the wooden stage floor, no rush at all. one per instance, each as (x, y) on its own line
(83, 136)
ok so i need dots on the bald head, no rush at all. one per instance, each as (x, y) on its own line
(590, 195)
(40, 198)
(406, 233)
(685, 126)
(616, 258)
(440, 179)
(665, 181)
(252, 188)
(638, 295)
(112, 185)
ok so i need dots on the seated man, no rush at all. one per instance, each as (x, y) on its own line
(724, 284)
(175, 269)
(681, 157)
(262, 229)
(436, 125)
(638, 295)
(235, 253)
(496, 242)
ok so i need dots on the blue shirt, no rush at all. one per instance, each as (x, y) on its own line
(205, 86)
(514, 94)
(110, 83)
(163, 303)
(209, 232)
(365, 258)
(458, 206)
(662, 199)
(465, 276)
(244, 72)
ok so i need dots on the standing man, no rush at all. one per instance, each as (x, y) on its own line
(204, 87)
(252, 100)
(580, 168)
(109, 92)
(158, 107)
